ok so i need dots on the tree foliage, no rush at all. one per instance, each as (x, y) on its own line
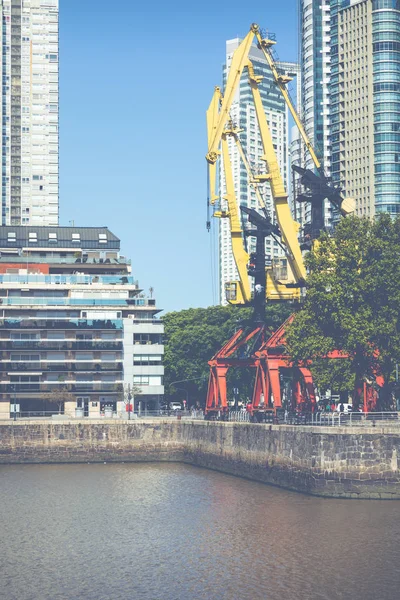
(193, 336)
(58, 396)
(352, 304)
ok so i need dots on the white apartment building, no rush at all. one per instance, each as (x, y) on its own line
(29, 48)
(316, 73)
(243, 115)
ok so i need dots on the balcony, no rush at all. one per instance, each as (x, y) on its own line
(45, 387)
(61, 344)
(65, 260)
(68, 279)
(62, 367)
(52, 324)
(62, 301)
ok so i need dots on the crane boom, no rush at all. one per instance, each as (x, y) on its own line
(282, 81)
(289, 228)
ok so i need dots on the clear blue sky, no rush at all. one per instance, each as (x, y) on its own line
(136, 78)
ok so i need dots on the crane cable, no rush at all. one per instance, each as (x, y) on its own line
(212, 244)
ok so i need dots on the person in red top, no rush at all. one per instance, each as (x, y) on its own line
(333, 406)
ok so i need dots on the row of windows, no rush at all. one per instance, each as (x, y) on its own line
(386, 147)
(389, 178)
(381, 198)
(33, 238)
(147, 360)
(148, 338)
(387, 86)
(388, 77)
(385, 31)
(387, 188)
(387, 56)
(388, 167)
(385, 108)
(387, 137)
(390, 208)
(148, 379)
(390, 45)
(379, 4)
(386, 96)
(387, 157)
(387, 127)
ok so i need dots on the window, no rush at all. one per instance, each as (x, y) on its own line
(60, 356)
(76, 237)
(84, 356)
(148, 338)
(56, 335)
(25, 357)
(102, 238)
(151, 360)
(11, 236)
(33, 237)
(53, 237)
(141, 379)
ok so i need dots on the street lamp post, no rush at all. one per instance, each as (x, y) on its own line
(186, 392)
(129, 404)
(183, 381)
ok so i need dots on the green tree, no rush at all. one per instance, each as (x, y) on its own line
(58, 396)
(193, 336)
(352, 304)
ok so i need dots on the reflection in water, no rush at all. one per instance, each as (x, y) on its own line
(175, 532)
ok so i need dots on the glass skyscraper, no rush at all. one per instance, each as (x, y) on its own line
(386, 94)
(362, 105)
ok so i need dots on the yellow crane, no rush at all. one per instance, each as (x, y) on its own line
(220, 127)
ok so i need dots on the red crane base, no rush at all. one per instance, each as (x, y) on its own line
(270, 359)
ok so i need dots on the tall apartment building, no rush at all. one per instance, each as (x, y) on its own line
(365, 103)
(73, 319)
(315, 75)
(350, 63)
(29, 50)
(243, 114)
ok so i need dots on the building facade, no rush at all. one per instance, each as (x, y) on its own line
(74, 326)
(351, 70)
(244, 116)
(315, 59)
(365, 103)
(29, 49)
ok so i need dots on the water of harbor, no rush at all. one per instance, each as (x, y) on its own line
(174, 532)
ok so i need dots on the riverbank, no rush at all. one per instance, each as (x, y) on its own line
(362, 463)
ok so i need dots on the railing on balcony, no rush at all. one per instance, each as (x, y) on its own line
(62, 301)
(69, 279)
(81, 324)
(44, 344)
(93, 367)
(45, 387)
(65, 260)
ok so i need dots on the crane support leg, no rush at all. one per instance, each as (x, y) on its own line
(273, 369)
(261, 391)
(309, 385)
(216, 396)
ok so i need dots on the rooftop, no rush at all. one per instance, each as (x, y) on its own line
(87, 238)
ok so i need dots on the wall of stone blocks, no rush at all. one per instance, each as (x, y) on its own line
(336, 462)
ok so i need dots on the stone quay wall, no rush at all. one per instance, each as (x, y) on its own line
(332, 462)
